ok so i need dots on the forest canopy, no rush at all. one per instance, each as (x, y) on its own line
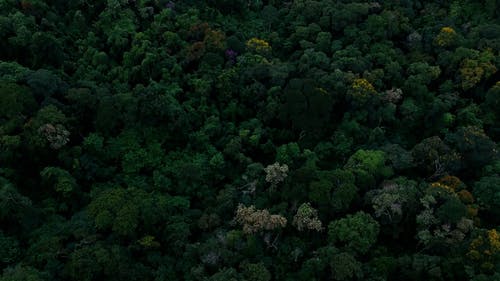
(251, 140)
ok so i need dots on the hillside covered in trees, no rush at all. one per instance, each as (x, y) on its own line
(249, 140)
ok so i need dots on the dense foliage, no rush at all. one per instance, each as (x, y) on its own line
(250, 140)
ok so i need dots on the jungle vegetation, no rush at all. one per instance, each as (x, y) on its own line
(249, 140)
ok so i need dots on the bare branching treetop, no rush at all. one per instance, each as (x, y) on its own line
(56, 135)
(254, 220)
(276, 173)
(306, 218)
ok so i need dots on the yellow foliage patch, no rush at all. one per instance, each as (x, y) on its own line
(446, 36)
(258, 45)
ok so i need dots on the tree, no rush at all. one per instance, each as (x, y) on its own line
(13, 72)
(368, 166)
(254, 220)
(224, 274)
(399, 157)
(259, 46)
(472, 71)
(44, 84)
(111, 261)
(323, 42)
(333, 189)
(61, 180)
(476, 148)
(47, 44)
(23, 273)
(9, 250)
(434, 156)
(276, 173)
(446, 37)
(123, 210)
(256, 272)
(13, 205)
(307, 218)
(394, 200)
(15, 101)
(57, 135)
(361, 91)
(356, 233)
(491, 111)
(116, 209)
(447, 215)
(307, 106)
(487, 192)
(288, 154)
(344, 266)
(484, 251)
(47, 128)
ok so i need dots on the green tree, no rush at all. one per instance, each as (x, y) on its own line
(476, 148)
(23, 273)
(116, 209)
(487, 192)
(13, 205)
(344, 266)
(368, 166)
(15, 101)
(435, 157)
(60, 179)
(9, 249)
(256, 272)
(356, 233)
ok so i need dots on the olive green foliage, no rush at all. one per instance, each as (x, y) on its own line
(250, 140)
(356, 232)
(345, 267)
(487, 191)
